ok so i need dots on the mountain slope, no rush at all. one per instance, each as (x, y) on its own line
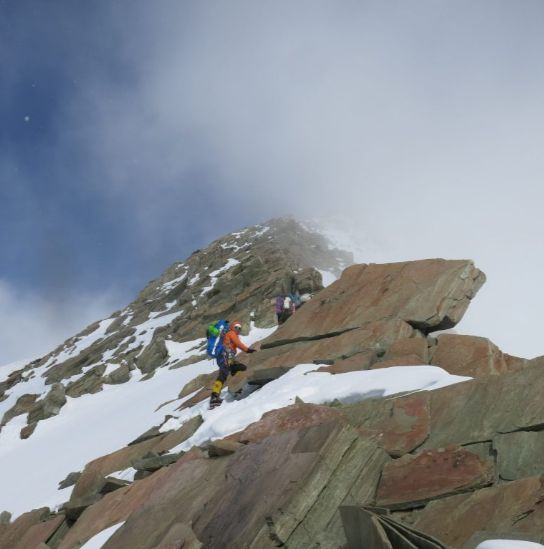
(236, 276)
(352, 403)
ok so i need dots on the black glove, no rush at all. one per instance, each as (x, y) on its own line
(251, 350)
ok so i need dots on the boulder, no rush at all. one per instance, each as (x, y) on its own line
(507, 509)
(50, 405)
(24, 404)
(11, 535)
(200, 381)
(70, 480)
(74, 508)
(219, 448)
(90, 383)
(153, 356)
(469, 356)
(416, 346)
(28, 430)
(192, 476)
(477, 410)
(415, 479)
(119, 375)
(201, 395)
(406, 360)
(174, 438)
(153, 462)
(431, 294)
(37, 534)
(520, 454)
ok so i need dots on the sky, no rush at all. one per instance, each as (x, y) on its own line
(133, 132)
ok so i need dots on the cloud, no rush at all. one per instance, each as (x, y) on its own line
(32, 326)
(420, 124)
(418, 121)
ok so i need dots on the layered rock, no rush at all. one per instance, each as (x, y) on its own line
(429, 295)
(415, 479)
(448, 464)
(321, 467)
(472, 356)
(503, 510)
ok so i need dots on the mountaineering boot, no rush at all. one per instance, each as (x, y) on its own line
(215, 400)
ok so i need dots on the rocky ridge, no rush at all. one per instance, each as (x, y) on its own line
(235, 276)
(442, 468)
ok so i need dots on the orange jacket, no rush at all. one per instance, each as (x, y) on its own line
(232, 342)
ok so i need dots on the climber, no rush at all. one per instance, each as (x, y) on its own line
(287, 308)
(226, 360)
(296, 300)
(279, 308)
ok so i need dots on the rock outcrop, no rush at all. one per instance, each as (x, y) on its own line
(434, 469)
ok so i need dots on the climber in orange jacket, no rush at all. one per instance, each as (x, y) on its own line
(226, 360)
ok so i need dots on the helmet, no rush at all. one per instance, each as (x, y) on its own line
(236, 324)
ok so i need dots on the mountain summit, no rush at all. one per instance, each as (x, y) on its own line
(355, 424)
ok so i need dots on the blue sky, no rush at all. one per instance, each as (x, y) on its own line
(133, 132)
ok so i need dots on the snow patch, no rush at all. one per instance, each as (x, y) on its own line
(328, 277)
(215, 274)
(180, 351)
(78, 344)
(125, 474)
(312, 387)
(234, 247)
(110, 368)
(33, 384)
(194, 280)
(508, 544)
(97, 541)
(167, 286)
(145, 331)
(8, 368)
(261, 232)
